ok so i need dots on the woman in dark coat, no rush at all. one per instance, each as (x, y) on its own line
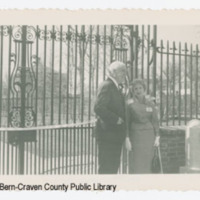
(143, 131)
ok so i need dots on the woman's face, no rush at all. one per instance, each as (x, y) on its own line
(138, 90)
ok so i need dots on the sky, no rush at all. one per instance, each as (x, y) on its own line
(189, 34)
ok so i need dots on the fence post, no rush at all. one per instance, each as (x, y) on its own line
(136, 52)
(131, 52)
(154, 58)
(23, 100)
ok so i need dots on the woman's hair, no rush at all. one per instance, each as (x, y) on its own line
(138, 82)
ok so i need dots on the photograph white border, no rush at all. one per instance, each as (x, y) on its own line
(57, 17)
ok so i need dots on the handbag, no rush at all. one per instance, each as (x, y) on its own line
(156, 165)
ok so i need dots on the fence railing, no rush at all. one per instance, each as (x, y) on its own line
(69, 150)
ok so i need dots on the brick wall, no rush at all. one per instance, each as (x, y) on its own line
(172, 145)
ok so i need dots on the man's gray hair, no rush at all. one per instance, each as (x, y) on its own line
(114, 66)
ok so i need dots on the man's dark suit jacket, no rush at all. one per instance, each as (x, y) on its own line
(109, 106)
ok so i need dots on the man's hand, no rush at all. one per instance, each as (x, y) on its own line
(128, 144)
(157, 141)
(120, 121)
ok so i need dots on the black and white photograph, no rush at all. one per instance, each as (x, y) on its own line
(99, 99)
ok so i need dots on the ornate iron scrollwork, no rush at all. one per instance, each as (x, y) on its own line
(31, 34)
(29, 117)
(15, 117)
(17, 86)
(71, 35)
(7, 30)
(121, 37)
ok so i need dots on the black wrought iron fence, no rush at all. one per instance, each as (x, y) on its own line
(68, 150)
(171, 72)
(52, 150)
(178, 83)
(49, 75)
(57, 64)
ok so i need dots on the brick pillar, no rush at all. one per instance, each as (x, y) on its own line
(172, 145)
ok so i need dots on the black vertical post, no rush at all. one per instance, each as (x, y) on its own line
(148, 58)
(174, 82)
(23, 99)
(154, 59)
(136, 51)
(131, 51)
(161, 83)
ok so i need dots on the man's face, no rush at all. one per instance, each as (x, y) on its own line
(120, 75)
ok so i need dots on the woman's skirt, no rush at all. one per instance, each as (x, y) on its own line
(142, 151)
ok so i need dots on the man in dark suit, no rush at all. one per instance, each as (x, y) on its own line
(110, 127)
